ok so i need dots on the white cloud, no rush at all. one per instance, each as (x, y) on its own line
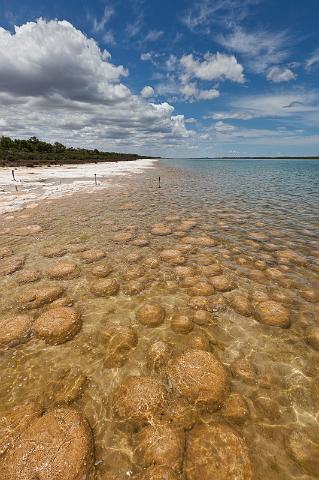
(284, 104)
(58, 84)
(108, 38)
(171, 63)
(205, 13)
(134, 28)
(190, 120)
(280, 74)
(191, 92)
(213, 67)
(154, 35)
(312, 60)
(146, 57)
(261, 48)
(147, 92)
(99, 24)
(229, 116)
(222, 127)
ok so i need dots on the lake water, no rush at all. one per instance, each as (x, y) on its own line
(227, 252)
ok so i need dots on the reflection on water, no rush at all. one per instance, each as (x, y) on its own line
(239, 277)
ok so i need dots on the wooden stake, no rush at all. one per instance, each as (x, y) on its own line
(159, 182)
(14, 179)
(95, 179)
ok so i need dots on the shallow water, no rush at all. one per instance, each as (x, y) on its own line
(253, 210)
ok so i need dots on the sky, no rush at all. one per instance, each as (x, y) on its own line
(170, 78)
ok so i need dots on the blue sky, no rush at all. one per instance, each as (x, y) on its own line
(183, 78)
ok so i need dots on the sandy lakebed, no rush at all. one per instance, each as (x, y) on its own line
(154, 334)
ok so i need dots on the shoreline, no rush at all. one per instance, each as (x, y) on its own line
(43, 182)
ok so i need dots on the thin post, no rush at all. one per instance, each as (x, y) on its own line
(95, 179)
(159, 182)
(14, 178)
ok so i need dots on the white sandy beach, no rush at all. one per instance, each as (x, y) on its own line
(34, 184)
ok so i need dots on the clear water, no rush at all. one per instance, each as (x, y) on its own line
(254, 210)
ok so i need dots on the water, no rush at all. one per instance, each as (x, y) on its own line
(263, 217)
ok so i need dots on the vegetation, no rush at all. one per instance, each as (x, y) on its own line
(34, 152)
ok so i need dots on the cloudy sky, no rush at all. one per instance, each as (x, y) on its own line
(171, 78)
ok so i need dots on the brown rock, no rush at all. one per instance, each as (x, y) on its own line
(310, 294)
(161, 229)
(37, 297)
(198, 376)
(56, 446)
(57, 325)
(65, 389)
(159, 444)
(273, 314)
(63, 270)
(140, 242)
(312, 337)
(181, 413)
(102, 271)
(182, 323)
(203, 289)
(222, 283)
(216, 452)
(52, 252)
(124, 237)
(29, 276)
(200, 303)
(15, 422)
(5, 252)
(241, 305)
(150, 314)
(105, 287)
(304, 449)
(134, 272)
(134, 287)
(93, 255)
(245, 370)
(158, 355)
(170, 254)
(28, 230)
(138, 400)
(11, 265)
(199, 341)
(202, 317)
(118, 340)
(212, 270)
(15, 330)
(200, 241)
(235, 408)
(152, 262)
(134, 257)
(157, 473)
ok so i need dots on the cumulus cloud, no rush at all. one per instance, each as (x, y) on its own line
(213, 67)
(147, 92)
(280, 74)
(58, 84)
(191, 92)
(146, 57)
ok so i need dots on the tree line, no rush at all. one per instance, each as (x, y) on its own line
(32, 152)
